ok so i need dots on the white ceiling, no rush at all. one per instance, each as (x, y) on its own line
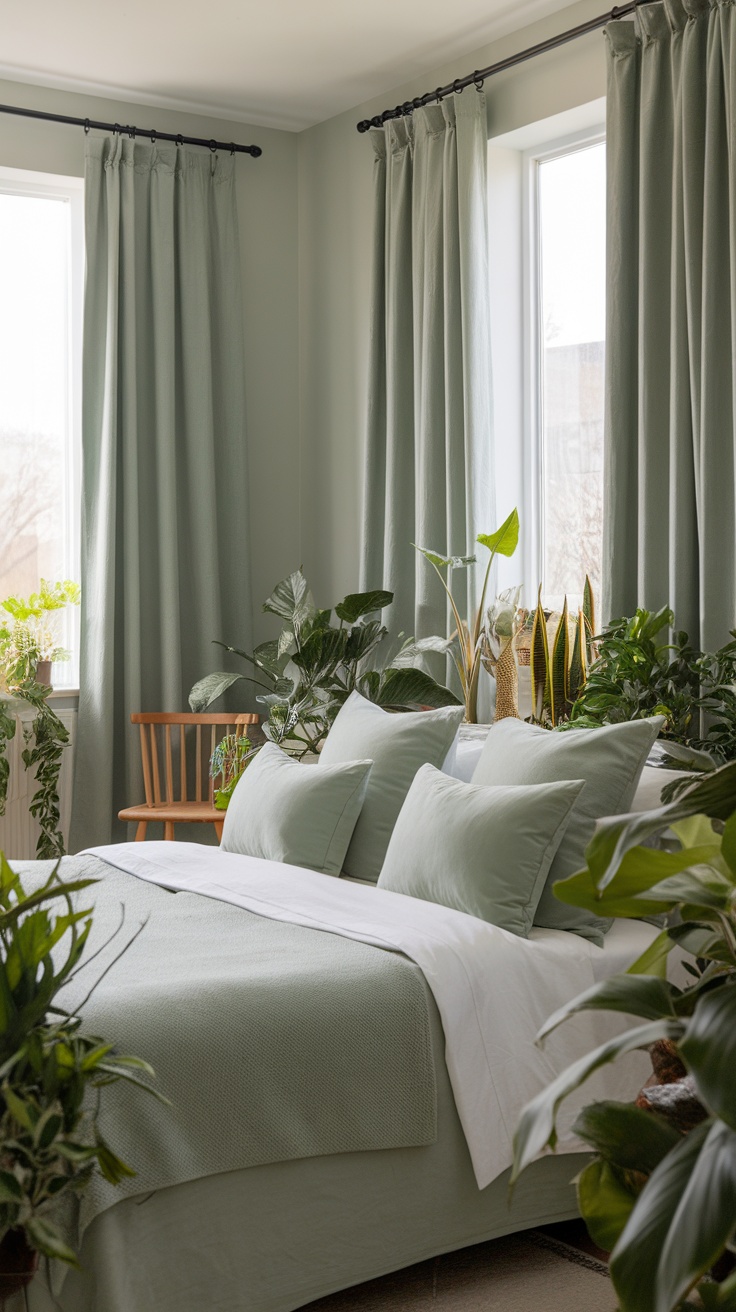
(279, 63)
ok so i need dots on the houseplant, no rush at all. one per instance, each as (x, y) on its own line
(28, 646)
(309, 671)
(559, 672)
(644, 669)
(227, 763)
(466, 641)
(28, 639)
(50, 1141)
(661, 1189)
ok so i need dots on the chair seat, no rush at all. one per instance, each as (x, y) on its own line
(176, 812)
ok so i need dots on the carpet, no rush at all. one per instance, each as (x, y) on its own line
(527, 1272)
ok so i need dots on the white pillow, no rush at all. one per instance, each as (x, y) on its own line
(398, 744)
(648, 795)
(284, 811)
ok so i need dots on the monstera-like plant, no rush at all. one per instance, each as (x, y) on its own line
(308, 672)
(661, 1189)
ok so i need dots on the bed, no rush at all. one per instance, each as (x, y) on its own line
(225, 1212)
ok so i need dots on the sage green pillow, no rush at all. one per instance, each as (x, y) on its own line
(284, 811)
(398, 744)
(484, 851)
(609, 760)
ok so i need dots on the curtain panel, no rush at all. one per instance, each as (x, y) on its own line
(670, 510)
(429, 430)
(164, 527)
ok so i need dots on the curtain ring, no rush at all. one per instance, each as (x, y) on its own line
(477, 81)
(232, 147)
(131, 133)
(116, 128)
(438, 95)
(86, 125)
(179, 139)
(213, 145)
(456, 86)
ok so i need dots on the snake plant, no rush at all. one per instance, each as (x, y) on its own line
(559, 671)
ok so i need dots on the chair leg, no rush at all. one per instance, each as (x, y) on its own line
(168, 831)
(218, 829)
(140, 832)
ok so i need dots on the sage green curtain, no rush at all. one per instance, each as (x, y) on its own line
(165, 558)
(670, 510)
(429, 432)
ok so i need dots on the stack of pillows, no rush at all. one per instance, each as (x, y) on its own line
(379, 807)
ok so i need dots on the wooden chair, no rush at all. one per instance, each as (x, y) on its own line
(158, 752)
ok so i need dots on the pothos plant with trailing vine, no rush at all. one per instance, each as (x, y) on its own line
(26, 638)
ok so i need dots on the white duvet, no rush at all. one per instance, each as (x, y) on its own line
(493, 990)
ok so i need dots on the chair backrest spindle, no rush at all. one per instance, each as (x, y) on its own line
(156, 768)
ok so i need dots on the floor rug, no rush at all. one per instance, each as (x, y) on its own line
(527, 1272)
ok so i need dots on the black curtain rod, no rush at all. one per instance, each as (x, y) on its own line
(479, 76)
(132, 132)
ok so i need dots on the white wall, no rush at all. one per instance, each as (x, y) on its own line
(335, 168)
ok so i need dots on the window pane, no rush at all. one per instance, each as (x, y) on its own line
(37, 512)
(572, 214)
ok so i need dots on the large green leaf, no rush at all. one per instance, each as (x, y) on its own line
(728, 843)
(627, 1136)
(357, 604)
(709, 1048)
(647, 996)
(321, 654)
(506, 538)
(536, 1127)
(605, 1201)
(290, 600)
(638, 889)
(681, 1222)
(363, 639)
(714, 795)
(415, 650)
(413, 688)
(207, 690)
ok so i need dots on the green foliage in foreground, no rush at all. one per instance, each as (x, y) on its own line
(663, 1200)
(309, 671)
(50, 1143)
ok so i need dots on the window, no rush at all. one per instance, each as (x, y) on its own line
(41, 270)
(547, 200)
(570, 350)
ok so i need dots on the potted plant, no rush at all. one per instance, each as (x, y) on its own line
(466, 643)
(28, 647)
(50, 1141)
(308, 672)
(661, 1189)
(28, 640)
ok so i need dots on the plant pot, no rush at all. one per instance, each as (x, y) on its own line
(18, 1263)
(43, 673)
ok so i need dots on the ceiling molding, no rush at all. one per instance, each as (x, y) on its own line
(129, 95)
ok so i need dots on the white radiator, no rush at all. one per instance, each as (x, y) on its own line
(18, 829)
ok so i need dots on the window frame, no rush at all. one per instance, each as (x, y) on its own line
(26, 182)
(532, 335)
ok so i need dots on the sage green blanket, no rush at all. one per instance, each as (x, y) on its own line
(273, 1041)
